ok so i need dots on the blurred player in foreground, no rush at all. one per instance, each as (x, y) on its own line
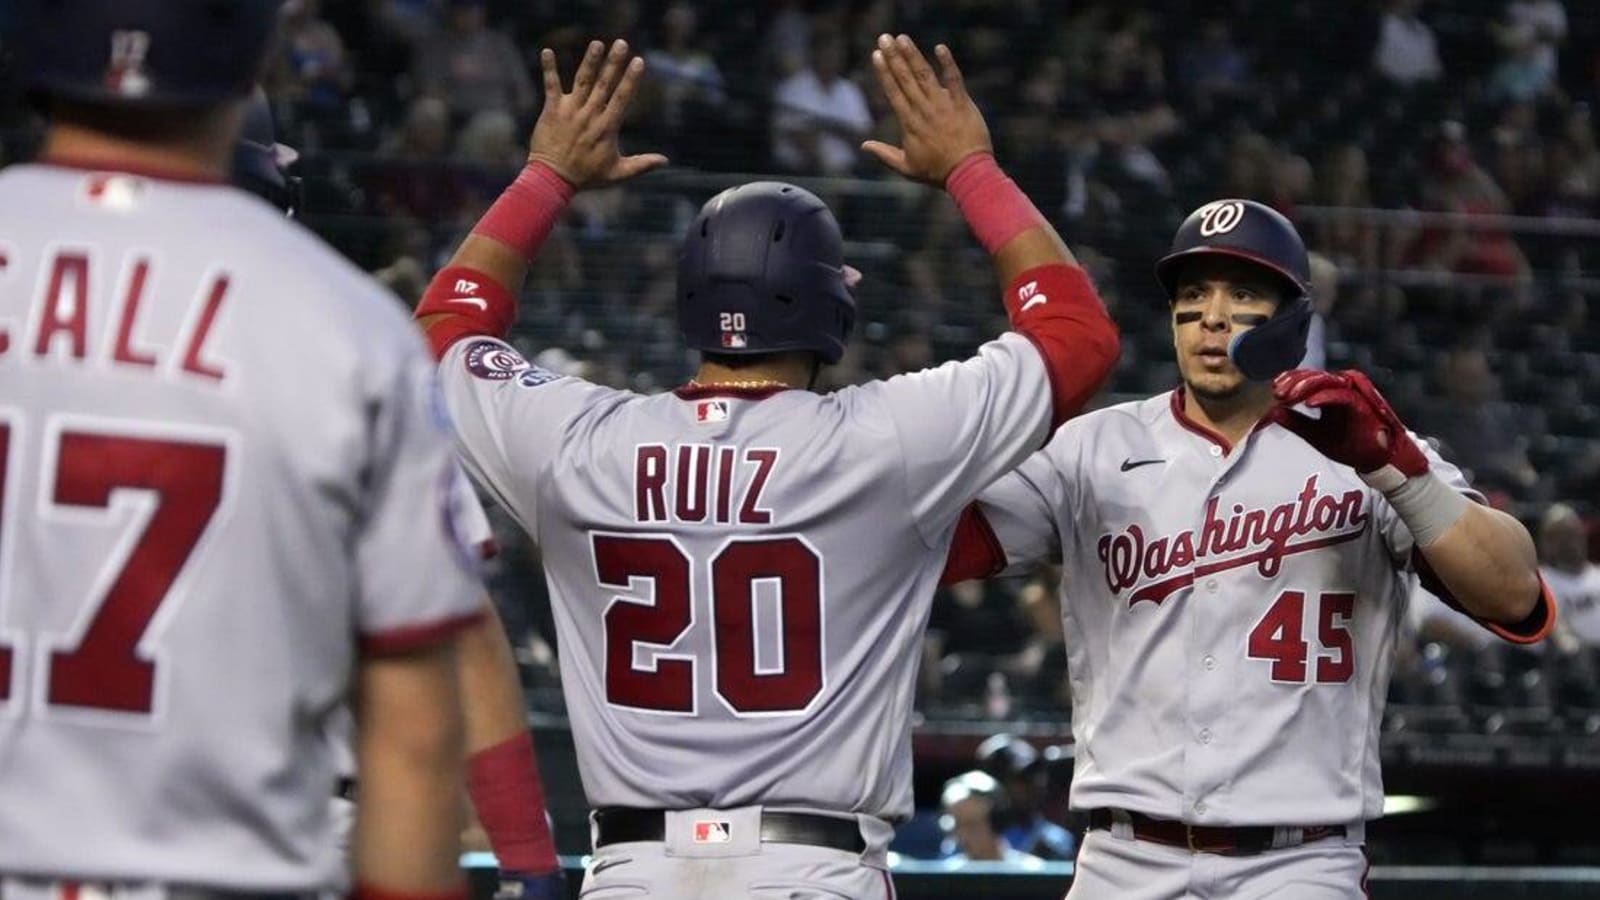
(225, 501)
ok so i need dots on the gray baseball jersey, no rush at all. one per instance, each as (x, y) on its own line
(223, 461)
(741, 579)
(1230, 617)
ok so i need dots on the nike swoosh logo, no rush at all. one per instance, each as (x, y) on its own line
(479, 302)
(1131, 463)
(1037, 299)
(600, 865)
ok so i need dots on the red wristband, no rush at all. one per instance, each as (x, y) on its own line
(995, 208)
(527, 210)
(503, 781)
(366, 890)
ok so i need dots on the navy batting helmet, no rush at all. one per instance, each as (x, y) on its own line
(762, 271)
(1258, 234)
(150, 53)
(260, 163)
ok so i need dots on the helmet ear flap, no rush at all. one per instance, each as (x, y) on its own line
(1276, 345)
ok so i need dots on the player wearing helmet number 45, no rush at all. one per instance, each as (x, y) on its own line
(741, 569)
(1236, 556)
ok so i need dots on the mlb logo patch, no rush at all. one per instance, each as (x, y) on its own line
(735, 340)
(115, 192)
(712, 832)
(709, 411)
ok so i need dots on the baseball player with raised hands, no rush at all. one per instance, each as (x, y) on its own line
(226, 497)
(741, 569)
(1236, 557)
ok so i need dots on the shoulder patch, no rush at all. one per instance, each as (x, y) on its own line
(494, 361)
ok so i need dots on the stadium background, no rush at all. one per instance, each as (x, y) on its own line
(1441, 157)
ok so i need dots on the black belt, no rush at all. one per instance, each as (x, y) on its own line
(1241, 840)
(620, 825)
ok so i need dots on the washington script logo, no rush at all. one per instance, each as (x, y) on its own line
(1258, 537)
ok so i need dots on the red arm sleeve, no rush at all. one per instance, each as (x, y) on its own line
(470, 302)
(1057, 307)
(975, 552)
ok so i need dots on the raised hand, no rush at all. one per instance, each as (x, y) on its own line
(1357, 427)
(938, 120)
(577, 132)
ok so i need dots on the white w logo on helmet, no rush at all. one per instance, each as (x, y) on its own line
(1220, 217)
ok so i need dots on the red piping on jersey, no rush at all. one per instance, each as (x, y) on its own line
(1180, 413)
(1191, 425)
(702, 391)
(159, 173)
(416, 637)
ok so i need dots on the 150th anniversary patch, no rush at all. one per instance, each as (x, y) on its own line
(494, 361)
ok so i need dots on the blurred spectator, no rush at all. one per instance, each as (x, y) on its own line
(1572, 578)
(1343, 183)
(473, 67)
(490, 141)
(1574, 167)
(1407, 52)
(973, 806)
(979, 617)
(1541, 24)
(311, 68)
(820, 116)
(411, 22)
(1259, 169)
(1483, 436)
(405, 278)
(1454, 182)
(1523, 73)
(491, 151)
(412, 178)
(1214, 66)
(1517, 161)
(1020, 771)
(684, 80)
(788, 37)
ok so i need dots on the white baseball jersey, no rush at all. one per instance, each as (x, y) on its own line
(222, 467)
(741, 580)
(1230, 617)
(1578, 597)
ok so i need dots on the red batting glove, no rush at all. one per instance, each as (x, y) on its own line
(1357, 427)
